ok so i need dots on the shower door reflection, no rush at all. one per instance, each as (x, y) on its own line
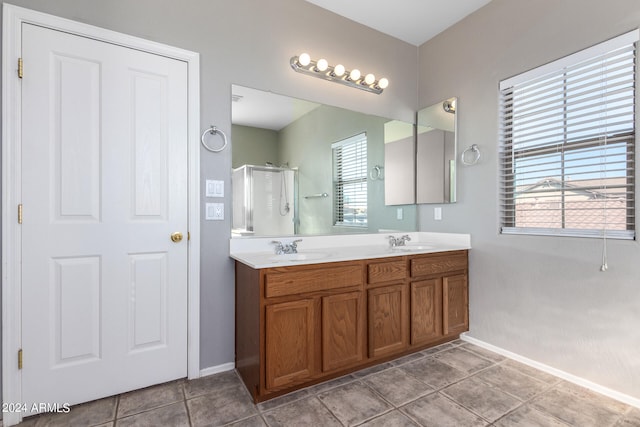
(264, 201)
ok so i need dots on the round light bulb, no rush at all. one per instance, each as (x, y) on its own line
(383, 83)
(355, 74)
(339, 70)
(304, 59)
(369, 79)
(322, 64)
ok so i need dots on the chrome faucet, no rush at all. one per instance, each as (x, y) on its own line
(286, 248)
(398, 241)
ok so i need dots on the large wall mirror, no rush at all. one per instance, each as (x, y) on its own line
(436, 151)
(305, 168)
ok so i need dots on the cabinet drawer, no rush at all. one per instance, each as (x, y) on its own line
(438, 264)
(386, 271)
(294, 282)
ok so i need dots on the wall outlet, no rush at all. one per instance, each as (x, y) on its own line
(399, 213)
(214, 211)
(214, 188)
(437, 213)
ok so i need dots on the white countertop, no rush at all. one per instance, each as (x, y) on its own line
(259, 252)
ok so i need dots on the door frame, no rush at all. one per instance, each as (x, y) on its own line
(13, 18)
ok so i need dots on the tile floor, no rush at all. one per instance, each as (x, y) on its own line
(455, 384)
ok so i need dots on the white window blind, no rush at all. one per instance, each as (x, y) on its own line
(350, 181)
(567, 145)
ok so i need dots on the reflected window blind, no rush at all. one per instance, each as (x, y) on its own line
(350, 181)
(567, 145)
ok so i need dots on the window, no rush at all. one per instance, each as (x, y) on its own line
(567, 145)
(350, 181)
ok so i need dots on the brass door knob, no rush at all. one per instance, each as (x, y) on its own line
(176, 237)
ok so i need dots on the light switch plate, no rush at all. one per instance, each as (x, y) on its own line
(399, 213)
(437, 214)
(214, 188)
(214, 211)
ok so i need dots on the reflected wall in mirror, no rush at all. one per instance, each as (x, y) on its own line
(436, 151)
(296, 146)
(399, 163)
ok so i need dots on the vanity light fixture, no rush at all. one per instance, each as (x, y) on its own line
(339, 74)
(449, 106)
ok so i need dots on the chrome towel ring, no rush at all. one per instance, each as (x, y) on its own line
(376, 173)
(476, 156)
(214, 130)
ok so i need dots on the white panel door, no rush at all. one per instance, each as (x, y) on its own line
(104, 173)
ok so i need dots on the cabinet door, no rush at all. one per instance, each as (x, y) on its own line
(455, 303)
(342, 330)
(388, 320)
(289, 338)
(426, 311)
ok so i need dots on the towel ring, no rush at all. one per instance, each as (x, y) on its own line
(214, 130)
(463, 157)
(376, 172)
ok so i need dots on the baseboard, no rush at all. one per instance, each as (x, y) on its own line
(624, 398)
(217, 369)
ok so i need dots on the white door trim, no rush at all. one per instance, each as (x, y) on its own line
(13, 17)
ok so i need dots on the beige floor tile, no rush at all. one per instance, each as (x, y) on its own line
(391, 419)
(149, 398)
(579, 407)
(463, 360)
(354, 403)
(532, 372)
(433, 372)
(481, 398)
(87, 414)
(284, 400)
(526, 416)
(397, 387)
(437, 410)
(371, 370)
(221, 407)
(174, 415)
(255, 421)
(211, 383)
(307, 412)
(631, 419)
(513, 382)
(489, 355)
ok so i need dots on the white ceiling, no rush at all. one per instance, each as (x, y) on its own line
(413, 21)
(266, 110)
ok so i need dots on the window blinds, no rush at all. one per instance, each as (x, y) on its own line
(567, 145)
(350, 181)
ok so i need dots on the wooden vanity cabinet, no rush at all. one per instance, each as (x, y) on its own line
(387, 311)
(299, 325)
(439, 296)
(426, 311)
(311, 323)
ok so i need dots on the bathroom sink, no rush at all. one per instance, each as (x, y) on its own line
(304, 256)
(412, 247)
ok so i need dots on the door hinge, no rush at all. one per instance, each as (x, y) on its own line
(20, 213)
(20, 359)
(20, 68)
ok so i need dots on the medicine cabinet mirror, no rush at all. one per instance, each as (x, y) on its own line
(436, 152)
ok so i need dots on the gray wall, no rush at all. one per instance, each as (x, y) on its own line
(249, 42)
(540, 297)
(253, 146)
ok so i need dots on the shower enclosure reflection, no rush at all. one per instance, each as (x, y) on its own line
(265, 200)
